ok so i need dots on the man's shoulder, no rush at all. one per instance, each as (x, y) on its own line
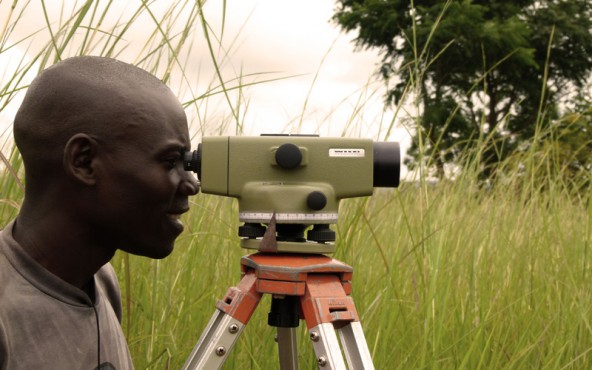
(108, 287)
(8, 269)
(10, 279)
(107, 276)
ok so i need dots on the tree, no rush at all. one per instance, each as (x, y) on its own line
(487, 70)
(568, 145)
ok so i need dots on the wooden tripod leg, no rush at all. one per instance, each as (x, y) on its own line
(230, 318)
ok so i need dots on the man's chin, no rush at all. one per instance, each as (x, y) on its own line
(153, 251)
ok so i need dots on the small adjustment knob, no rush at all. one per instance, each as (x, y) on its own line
(251, 230)
(288, 156)
(316, 200)
(321, 233)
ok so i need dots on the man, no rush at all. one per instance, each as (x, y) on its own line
(102, 143)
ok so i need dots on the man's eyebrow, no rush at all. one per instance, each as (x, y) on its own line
(173, 147)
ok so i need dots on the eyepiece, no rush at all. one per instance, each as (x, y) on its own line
(387, 164)
(192, 161)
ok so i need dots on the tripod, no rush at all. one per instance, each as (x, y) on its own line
(313, 287)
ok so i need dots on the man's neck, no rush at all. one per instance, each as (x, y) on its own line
(62, 247)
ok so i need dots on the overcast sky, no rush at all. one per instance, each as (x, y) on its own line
(326, 86)
(297, 38)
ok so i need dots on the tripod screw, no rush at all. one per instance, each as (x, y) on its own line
(220, 351)
(314, 336)
(233, 329)
(322, 361)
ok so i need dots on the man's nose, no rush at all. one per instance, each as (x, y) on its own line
(189, 184)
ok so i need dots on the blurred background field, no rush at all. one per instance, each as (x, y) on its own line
(472, 270)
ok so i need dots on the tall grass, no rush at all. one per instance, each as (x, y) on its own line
(452, 275)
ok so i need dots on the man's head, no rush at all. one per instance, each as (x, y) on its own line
(103, 140)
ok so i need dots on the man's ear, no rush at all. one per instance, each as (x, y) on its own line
(79, 158)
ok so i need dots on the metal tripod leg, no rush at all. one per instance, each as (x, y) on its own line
(354, 345)
(288, 348)
(326, 347)
(230, 318)
(215, 342)
(327, 308)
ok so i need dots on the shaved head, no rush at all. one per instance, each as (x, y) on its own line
(90, 95)
(103, 143)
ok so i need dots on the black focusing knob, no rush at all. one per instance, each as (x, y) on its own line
(316, 200)
(321, 233)
(288, 156)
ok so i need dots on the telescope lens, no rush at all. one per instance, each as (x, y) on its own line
(387, 164)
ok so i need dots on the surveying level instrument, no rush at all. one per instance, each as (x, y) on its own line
(288, 189)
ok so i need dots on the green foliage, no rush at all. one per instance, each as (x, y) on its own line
(481, 70)
(11, 185)
(569, 144)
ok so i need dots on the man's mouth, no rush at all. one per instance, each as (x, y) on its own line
(175, 220)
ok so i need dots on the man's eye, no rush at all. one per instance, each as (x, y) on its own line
(172, 161)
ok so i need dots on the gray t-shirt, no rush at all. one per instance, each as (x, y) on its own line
(46, 323)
